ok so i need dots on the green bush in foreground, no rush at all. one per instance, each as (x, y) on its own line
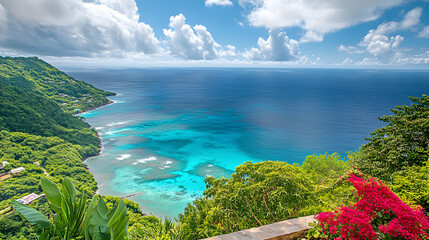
(76, 218)
(157, 229)
(412, 185)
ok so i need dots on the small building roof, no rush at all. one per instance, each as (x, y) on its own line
(17, 170)
(29, 198)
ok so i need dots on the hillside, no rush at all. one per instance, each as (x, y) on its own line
(40, 136)
(39, 133)
(24, 111)
(35, 75)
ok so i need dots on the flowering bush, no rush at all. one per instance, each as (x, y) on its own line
(378, 214)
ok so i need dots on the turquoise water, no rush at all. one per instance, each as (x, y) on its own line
(169, 128)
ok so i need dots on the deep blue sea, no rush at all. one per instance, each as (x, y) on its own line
(169, 128)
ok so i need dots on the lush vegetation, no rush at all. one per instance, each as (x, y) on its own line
(39, 132)
(266, 192)
(398, 153)
(37, 76)
(402, 143)
(413, 185)
(76, 217)
(378, 214)
(26, 112)
(56, 156)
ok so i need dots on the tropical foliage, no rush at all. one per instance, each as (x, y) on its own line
(57, 157)
(26, 112)
(39, 133)
(158, 229)
(412, 185)
(266, 192)
(75, 217)
(37, 76)
(402, 143)
(378, 214)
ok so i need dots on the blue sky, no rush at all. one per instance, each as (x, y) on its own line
(353, 33)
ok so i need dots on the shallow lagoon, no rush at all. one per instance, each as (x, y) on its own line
(169, 128)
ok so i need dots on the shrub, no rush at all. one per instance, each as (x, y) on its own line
(402, 143)
(75, 217)
(378, 214)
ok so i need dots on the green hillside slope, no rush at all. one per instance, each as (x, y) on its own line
(33, 74)
(24, 111)
(39, 132)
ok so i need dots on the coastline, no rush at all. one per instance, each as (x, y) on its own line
(96, 107)
(100, 146)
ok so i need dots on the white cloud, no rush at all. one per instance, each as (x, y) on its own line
(278, 47)
(412, 18)
(209, 44)
(218, 2)
(311, 36)
(401, 58)
(369, 61)
(193, 43)
(377, 43)
(315, 16)
(350, 49)
(76, 28)
(381, 45)
(424, 33)
(229, 51)
(126, 7)
(347, 61)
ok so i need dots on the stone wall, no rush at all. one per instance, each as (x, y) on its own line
(285, 230)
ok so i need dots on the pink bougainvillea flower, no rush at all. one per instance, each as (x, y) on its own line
(375, 199)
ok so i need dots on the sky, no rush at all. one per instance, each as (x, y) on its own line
(282, 33)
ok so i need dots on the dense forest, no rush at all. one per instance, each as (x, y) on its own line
(43, 79)
(39, 132)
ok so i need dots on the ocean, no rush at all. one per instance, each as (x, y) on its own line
(169, 128)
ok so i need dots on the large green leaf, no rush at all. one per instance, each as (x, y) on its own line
(45, 235)
(68, 189)
(118, 221)
(78, 215)
(52, 193)
(32, 215)
(66, 206)
(98, 224)
(88, 216)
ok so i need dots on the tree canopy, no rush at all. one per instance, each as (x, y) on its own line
(37, 76)
(402, 143)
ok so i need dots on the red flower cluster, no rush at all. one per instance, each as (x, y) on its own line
(379, 211)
